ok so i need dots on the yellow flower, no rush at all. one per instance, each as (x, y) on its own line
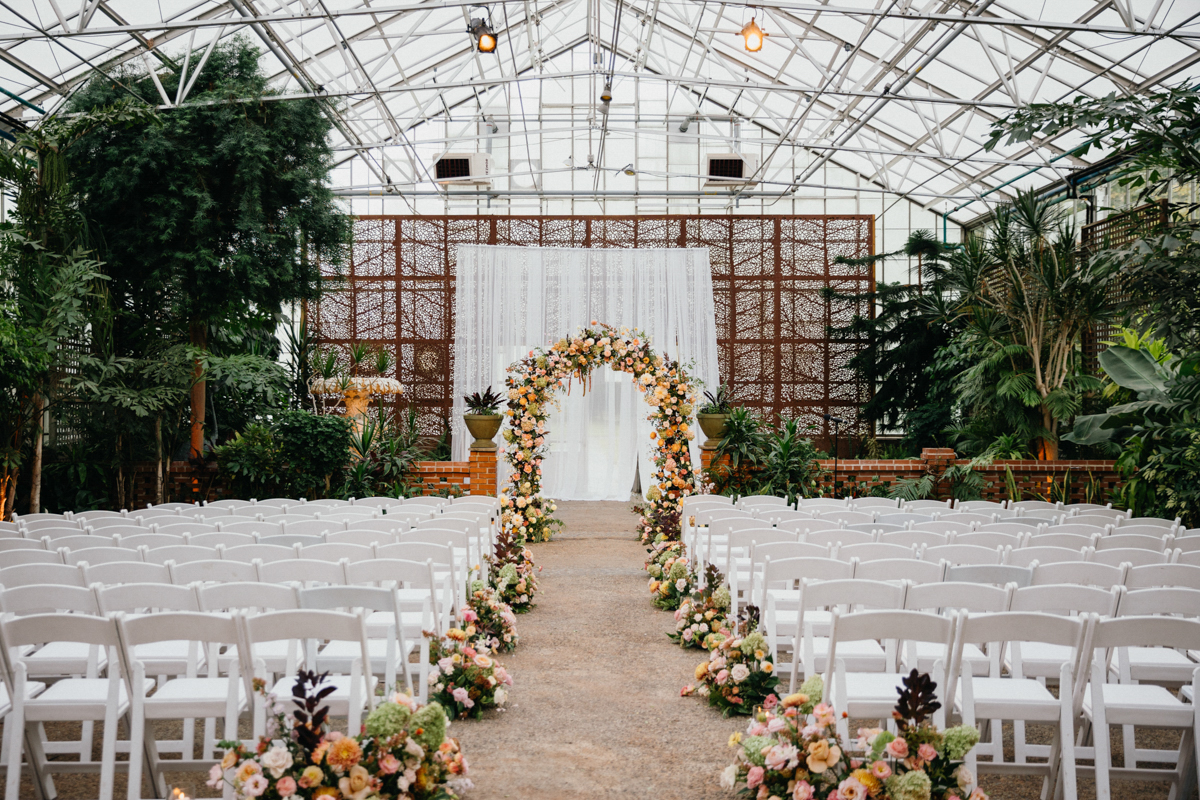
(344, 753)
(821, 756)
(864, 776)
(312, 776)
(456, 634)
(767, 666)
(701, 670)
(793, 700)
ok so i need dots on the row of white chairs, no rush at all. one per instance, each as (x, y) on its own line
(749, 501)
(187, 664)
(869, 651)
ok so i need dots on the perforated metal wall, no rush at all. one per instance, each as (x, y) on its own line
(768, 273)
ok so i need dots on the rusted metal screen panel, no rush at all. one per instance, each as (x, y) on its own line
(768, 273)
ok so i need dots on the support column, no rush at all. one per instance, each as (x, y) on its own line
(484, 472)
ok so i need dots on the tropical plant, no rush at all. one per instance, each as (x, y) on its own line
(1158, 433)
(718, 403)
(789, 467)
(486, 403)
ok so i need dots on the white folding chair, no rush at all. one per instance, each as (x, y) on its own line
(1036, 556)
(303, 572)
(390, 646)
(1020, 698)
(221, 539)
(954, 596)
(212, 571)
(187, 696)
(416, 596)
(265, 553)
(248, 597)
(915, 538)
(778, 592)
(872, 695)
(1142, 704)
(180, 554)
(337, 551)
(85, 699)
(900, 569)
(449, 583)
(30, 574)
(1086, 574)
(964, 554)
(875, 551)
(13, 558)
(365, 538)
(1134, 556)
(810, 640)
(1150, 575)
(352, 693)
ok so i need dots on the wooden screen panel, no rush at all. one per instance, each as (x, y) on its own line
(768, 273)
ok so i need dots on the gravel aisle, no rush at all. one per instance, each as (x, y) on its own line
(595, 711)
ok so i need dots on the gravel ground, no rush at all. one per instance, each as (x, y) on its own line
(595, 711)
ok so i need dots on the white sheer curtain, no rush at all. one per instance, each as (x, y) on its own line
(509, 300)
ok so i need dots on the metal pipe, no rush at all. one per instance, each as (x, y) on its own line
(22, 101)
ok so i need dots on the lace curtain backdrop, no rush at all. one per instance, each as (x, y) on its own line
(509, 300)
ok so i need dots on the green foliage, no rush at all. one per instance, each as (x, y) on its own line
(959, 481)
(251, 463)
(776, 460)
(719, 403)
(487, 402)
(789, 467)
(314, 448)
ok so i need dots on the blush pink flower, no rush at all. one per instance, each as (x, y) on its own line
(286, 786)
(926, 752)
(255, 786)
(389, 764)
(881, 770)
(851, 789)
(897, 748)
(803, 791)
(754, 777)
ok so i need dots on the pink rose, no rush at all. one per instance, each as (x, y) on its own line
(771, 701)
(469, 615)
(881, 770)
(254, 786)
(897, 748)
(851, 789)
(389, 764)
(286, 786)
(722, 677)
(804, 791)
(754, 777)
(460, 695)
(216, 777)
(926, 752)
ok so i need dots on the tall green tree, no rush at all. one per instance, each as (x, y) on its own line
(215, 217)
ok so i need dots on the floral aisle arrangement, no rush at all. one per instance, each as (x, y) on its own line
(671, 576)
(658, 524)
(513, 574)
(738, 674)
(532, 382)
(465, 680)
(402, 752)
(792, 750)
(490, 623)
(704, 613)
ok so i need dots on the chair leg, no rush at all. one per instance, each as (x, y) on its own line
(108, 751)
(1103, 755)
(1062, 767)
(16, 720)
(137, 728)
(967, 712)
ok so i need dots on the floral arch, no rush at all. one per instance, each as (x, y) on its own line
(532, 384)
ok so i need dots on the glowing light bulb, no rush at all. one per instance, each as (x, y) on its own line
(487, 43)
(753, 35)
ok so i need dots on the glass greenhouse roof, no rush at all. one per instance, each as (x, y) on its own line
(899, 95)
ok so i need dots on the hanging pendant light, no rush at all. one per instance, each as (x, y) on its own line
(753, 35)
(484, 36)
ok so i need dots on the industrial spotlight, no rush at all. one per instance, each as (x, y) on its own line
(753, 35)
(606, 98)
(485, 38)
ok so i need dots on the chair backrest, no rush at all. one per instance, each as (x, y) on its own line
(1071, 540)
(253, 528)
(153, 540)
(706, 516)
(89, 516)
(212, 571)
(26, 519)
(41, 598)
(829, 503)
(1030, 505)
(875, 551)
(1148, 575)
(842, 536)
(366, 538)
(1174, 600)
(442, 522)
(382, 525)
(44, 628)
(968, 517)
(80, 542)
(229, 504)
(1168, 525)
(180, 554)
(440, 554)
(1074, 527)
(246, 596)
(12, 558)
(804, 526)
(436, 536)
(1066, 598)
(900, 569)
(103, 523)
(283, 519)
(926, 505)
(292, 539)
(1028, 556)
(875, 527)
(1191, 557)
(146, 596)
(100, 555)
(794, 570)
(980, 506)
(1136, 556)
(413, 574)
(775, 516)
(973, 597)
(57, 524)
(313, 527)
(180, 507)
(942, 526)
(125, 572)
(878, 504)
(1187, 544)
(350, 515)
(330, 503)
(964, 554)
(1152, 531)
(309, 625)
(1183, 634)
(377, 502)
(891, 627)
(1094, 508)
(990, 539)
(742, 539)
(260, 552)
(334, 551)
(1086, 574)
(1095, 520)
(845, 516)
(1116, 540)
(179, 529)
(1000, 574)
(57, 533)
(761, 501)
(778, 551)
(278, 502)
(8, 544)
(915, 538)
(222, 539)
(303, 571)
(211, 512)
(1017, 526)
(373, 598)
(998, 630)
(27, 574)
(916, 518)
(432, 502)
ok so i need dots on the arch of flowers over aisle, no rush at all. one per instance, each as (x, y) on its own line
(532, 384)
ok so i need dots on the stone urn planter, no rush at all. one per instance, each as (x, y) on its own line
(484, 428)
(356, 393)
(714, 426)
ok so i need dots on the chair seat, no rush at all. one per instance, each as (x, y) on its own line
(62, 659)
(193, 697)
(32, 689)
(1159, 664)
(273, 654)
(76, 699)
(1042, 659)
(338, 700)
(338, 656)
(1140, 704)
(1010, 698)
(167, 658)
(872, 694)
(929, 652)
(859, 656)
(380, 622)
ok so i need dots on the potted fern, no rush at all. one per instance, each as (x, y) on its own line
(713, 416)
(483, 418)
